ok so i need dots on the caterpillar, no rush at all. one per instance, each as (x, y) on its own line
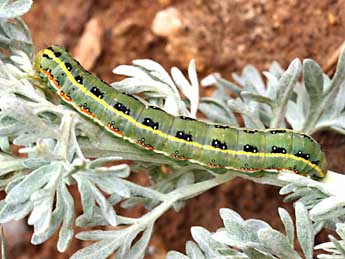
(215, 147)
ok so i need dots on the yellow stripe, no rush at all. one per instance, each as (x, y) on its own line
(169, 137)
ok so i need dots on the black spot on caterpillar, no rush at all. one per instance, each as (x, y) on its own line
(68, 66)
(213, 146)
(306, 156)
(182, 135)
(149, 122)
(276, 149)
(277, 131)
(79, 79)
(95, 90)
(155, 108)
(122, 108)
(250, 148)
(218, 144)
(308, 137)
(46, 56)
(186, 118)
(221, 126)
(250, 131)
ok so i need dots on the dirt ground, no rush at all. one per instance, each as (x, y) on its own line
(223, 36)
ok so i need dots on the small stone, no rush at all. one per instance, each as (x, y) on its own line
(167, 22)
(332, 19)
(89, 46)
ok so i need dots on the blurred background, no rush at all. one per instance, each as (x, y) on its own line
(222, 36)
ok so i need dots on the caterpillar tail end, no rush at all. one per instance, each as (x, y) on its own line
(323, 165)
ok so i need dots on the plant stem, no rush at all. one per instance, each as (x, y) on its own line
(182, 193)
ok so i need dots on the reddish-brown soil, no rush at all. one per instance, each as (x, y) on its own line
(223, 36)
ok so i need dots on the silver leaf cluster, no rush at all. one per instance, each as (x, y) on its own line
(310, 105)
(55, 144)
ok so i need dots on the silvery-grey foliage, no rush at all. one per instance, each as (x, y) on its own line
(149, 77)
(336, 248)
(55, 143)
(251, 239)
(14, 8)
(316, 103)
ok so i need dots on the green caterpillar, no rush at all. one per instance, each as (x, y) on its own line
(216, 147)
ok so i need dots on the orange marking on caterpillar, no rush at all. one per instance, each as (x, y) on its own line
(51, 78)
(65, 96)
(115, 130)
(183, 158)
(213, 165)
(86, 111)
(141, 142)
(251, 170)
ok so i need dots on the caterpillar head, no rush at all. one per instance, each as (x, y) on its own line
(37, 62)
(323, 165)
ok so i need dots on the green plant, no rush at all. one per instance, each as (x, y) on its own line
(57, 143)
